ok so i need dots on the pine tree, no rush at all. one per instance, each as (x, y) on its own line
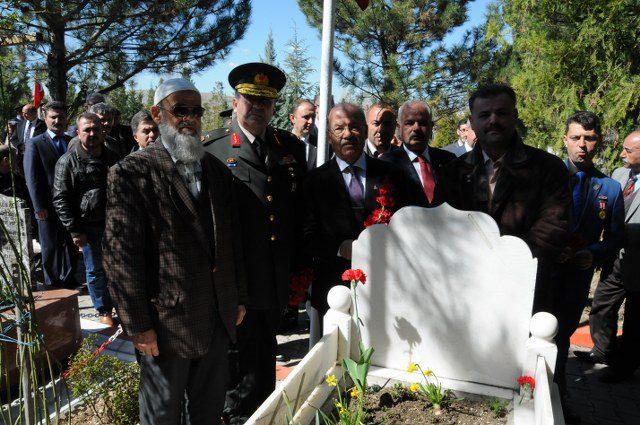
(219, 102)
(269, 50)
(128, 101)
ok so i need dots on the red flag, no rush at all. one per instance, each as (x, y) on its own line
(363, 4)
(38, 94)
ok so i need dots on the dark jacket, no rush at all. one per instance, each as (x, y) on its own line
(79, 188)
(415, 192)
(17, 138)
(270, 207)
(173, 264)
(329, 218)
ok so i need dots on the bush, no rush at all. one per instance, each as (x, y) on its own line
(107, 385)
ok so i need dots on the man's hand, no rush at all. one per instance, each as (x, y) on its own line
(42, 214)
(241, 312)
(146, 342)
(582, 259)
(80, 240)
(345, 249)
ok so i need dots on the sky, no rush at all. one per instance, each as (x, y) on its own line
(281, 20)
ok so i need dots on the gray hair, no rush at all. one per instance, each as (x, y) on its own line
(350, 109)
(102, 109)
(139, 117)
(410, 103)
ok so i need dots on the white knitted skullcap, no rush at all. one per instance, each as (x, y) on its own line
(171, 86)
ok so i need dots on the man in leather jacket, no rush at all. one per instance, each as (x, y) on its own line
(79, 197)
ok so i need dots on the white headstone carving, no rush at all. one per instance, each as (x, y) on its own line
(446, 291)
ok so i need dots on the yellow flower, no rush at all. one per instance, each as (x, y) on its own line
(332, 381)
(354, 392)
(412, 367)
(342, 411)
(414, 388)
(339, 405)
(428, 372)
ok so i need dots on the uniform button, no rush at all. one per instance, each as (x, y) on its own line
(215, 269)
(269, 179)
(273, 238)
(272, 217)
(269, 198)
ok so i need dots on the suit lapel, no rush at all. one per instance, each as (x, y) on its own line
(50, 146)
(622, 176)
(246, 151)
(372, 184)
(512, 173)
(592, 193)
(178, 191)
(634, 206)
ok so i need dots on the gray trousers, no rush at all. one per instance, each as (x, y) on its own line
(176, 391)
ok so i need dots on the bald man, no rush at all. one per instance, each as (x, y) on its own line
(31, 126)
(421, 163)
(623, 283)
(381, 123)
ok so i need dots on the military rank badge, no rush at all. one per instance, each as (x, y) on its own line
(602, 203)
(232, 162)
(235, 140)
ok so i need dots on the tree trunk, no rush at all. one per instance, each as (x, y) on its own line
(56, 59)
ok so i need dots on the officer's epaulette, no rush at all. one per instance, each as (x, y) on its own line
(216, 134)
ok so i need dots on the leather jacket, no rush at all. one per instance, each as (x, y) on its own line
(79, 188)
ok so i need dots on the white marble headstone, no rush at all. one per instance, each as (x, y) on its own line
(446, 291)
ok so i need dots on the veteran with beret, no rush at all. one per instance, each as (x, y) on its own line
(269, 165)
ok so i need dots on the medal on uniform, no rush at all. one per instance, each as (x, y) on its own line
(232, 162)
(235, 140)
(602, 202)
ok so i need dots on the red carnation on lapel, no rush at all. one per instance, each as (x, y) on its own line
(383, 214)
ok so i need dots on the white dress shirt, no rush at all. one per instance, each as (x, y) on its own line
(414, 160)
(361, 163)
(28, 132)
(191, 173)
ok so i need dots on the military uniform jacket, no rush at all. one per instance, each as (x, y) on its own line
(269, 203)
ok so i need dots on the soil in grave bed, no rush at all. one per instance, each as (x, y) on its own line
(407, 408)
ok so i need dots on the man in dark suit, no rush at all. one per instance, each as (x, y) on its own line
(31, 126)
(303, 116)
(623, 283)
(597, 230)
(381, 123)
(421, 164)
(40, 157)
(269, 165)
(524, 189)
(339, 196)
(174, 264)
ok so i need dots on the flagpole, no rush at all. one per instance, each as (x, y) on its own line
(326, 72)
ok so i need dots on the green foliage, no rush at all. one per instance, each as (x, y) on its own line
(128, 100)
(445, 130)
(498, 407)
(14, 88)
(218, 103)
(398, 391)
(270, 56)
(387, 46)
(107, 385)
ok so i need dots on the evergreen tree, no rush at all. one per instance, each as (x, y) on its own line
(128, 100)
(14, 83)
(387, 45)
(269, 50)
(219, 102)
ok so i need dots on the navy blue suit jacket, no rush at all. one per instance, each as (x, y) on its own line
(40, 159)
(602, 233)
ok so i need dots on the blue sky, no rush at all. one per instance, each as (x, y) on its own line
(281, 16)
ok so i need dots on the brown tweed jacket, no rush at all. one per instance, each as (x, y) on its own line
(169, 267)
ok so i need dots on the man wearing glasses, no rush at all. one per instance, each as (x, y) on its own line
(174, 264)
(269, 165)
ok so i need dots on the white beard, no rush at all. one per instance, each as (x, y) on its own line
(183, 147)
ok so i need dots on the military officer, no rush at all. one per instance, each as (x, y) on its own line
(269, 165)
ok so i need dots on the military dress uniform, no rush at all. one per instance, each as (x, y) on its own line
(269, 176)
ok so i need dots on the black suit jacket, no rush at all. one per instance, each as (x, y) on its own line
(40, 159)
(415, 192)
(329, 219)
(18, 139)
(270, 207)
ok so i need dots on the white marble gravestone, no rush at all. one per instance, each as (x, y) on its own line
(446, 291)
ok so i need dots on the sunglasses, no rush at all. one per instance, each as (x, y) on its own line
(185, 111)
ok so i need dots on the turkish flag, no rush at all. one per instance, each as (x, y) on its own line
(38, 94)
(363, 4)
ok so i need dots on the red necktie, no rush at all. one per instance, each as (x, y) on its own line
(428, 183)
(628, 189)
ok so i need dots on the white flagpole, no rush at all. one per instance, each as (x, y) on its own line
(326, 72)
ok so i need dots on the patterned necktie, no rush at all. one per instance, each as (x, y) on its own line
(428, 183)
(580, 177)
(356, 191)
(630, 187)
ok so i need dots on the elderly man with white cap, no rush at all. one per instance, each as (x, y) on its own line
(174, 263)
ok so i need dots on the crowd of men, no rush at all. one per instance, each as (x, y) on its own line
(202, 233)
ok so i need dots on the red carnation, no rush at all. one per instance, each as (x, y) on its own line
(386, 201)
(384, 190)
(523, 381)
(354, 274)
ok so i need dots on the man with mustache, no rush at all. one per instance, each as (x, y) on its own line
(79, 197)
(339, 196)
(421, 164)
(269, 165)
(380, 127)
(466, 139)
(302, 118)
(526, 190)
(41, 154)
(174, 263)
(623, 283)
